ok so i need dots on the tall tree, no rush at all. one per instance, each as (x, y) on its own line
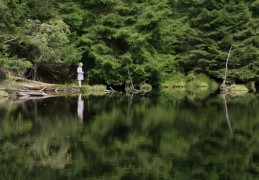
(218, 25)
(11, 15)
(122, 39)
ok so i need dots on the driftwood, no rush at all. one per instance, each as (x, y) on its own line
(32, 93)
(31, 88)
(38, 87)
(23, 92)
(56, 88)
(110, 91)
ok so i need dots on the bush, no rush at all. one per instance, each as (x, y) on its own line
(199, 80)
(176, 80)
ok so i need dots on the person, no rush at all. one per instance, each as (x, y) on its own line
(80, 74)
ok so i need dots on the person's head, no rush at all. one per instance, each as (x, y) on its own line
(80, 64)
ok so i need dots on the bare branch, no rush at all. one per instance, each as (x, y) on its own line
(10, 40)
(226, 70)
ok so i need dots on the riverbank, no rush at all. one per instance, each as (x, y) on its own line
(16, 86)
(194, 84)
(202, 84)
(191, 82)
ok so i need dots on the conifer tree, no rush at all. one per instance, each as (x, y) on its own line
(218, 25)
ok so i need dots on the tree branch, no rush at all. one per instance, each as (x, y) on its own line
(226, 70)
(10, 40)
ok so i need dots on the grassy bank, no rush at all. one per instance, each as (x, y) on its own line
(190, 82)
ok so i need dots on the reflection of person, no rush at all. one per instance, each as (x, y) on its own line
(80, 107)
(80, 74)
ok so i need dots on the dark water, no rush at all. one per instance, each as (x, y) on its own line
(169, 136)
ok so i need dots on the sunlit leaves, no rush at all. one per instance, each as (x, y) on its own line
(48, 40)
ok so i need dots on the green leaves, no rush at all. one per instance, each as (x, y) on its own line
(159, 37)
(139, 30)
(219, 26)
(14, 63)
(49, 41)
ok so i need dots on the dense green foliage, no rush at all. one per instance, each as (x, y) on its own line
(147, 41)
(216, 26)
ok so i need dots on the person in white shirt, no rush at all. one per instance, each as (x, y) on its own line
(80, 74)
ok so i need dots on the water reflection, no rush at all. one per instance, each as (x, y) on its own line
(130, 137)
(226, 111)
(80, 107)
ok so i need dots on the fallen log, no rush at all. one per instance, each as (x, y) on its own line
(22, 92)
(39, 87)
(32, 93)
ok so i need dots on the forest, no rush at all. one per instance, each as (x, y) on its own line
(148, 41)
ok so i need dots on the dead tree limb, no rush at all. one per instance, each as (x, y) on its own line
(9, 40)
(223, 86)
(22, 92)
(132, 86)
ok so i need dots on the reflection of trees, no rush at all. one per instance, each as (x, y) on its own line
(220, 155)
(23, 148)
(158, 139)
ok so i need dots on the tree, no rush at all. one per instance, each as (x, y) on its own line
(216, 27)
(10, 14)
(48, 43)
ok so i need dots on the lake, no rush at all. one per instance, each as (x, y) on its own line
(162, 136)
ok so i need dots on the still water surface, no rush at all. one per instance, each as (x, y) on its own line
(169, 136)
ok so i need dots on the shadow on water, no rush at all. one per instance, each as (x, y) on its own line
(172, 135)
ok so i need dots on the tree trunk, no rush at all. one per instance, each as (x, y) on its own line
(35, 68)
(226, 70)
(223, 86)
